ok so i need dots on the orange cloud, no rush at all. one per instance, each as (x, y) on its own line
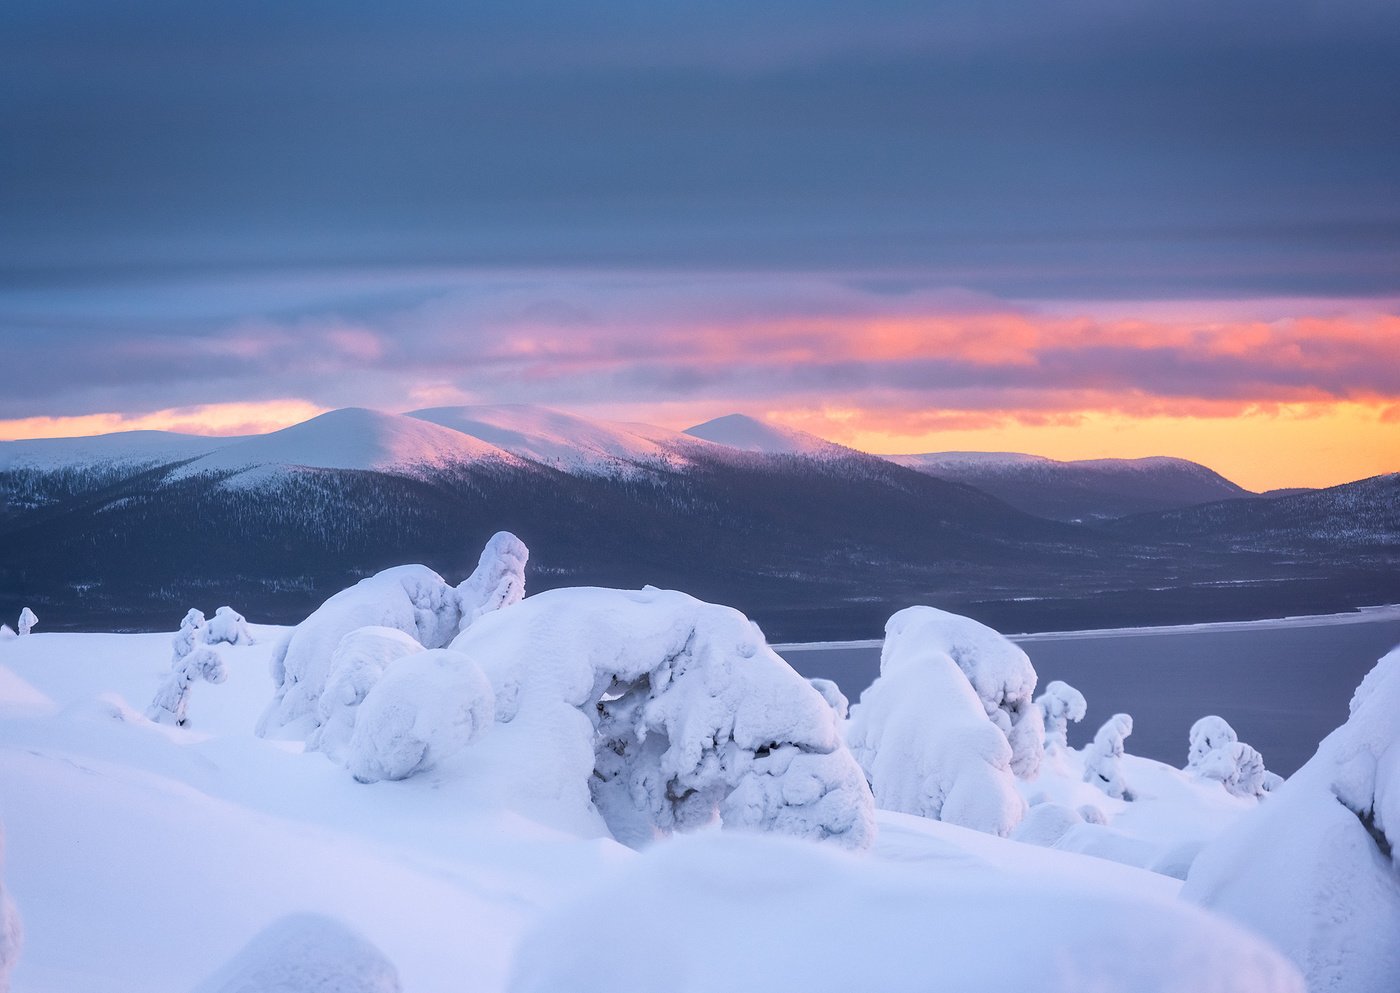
(209, 419)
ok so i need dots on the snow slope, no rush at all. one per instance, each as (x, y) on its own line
(145, 857)
(752, 435)
(350, 438)
(564, 441)
(123, 448)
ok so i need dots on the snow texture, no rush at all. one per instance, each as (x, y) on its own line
(665, 713)
(190, 634)
(999, 671)
(724, 912)
(11, 933)
(1103, 757)
(409, 598)
(832, 694)
(171, 702)
(306, 953)
(1314, 868)
(27, 620)
(921, 734)
(498, 580)
(424, 708)
(356, 665)
(1060, 704)
(227, 627)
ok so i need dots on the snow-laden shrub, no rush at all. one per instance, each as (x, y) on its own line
(27, 620)
(1103, 757)
(1314, 868)
(1060, 704)
(172, 699)
(921, 735)
(356, 665)
(662, 713)
(306, 953)
(1217, 753)
(724, 912)
(191, 633)
(7, 632)
(424, 708)
(11, 933)
(410, 598)
(1046, 823)
(832, 694)
(1000, 673)
(229, 627)
(499, 578)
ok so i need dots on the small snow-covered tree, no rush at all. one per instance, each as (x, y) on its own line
(7, 632)
(229, 627)
(1000, 673)
(660, 713)
(1217, 753)
(173, 697)
(832, 694)
(27, 620)
(424, 708)
(191, 633)
(1060, 704)
(306, 953)
(1103, 757)
(356, 665)
(498, 580)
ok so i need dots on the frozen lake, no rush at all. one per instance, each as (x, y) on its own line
(1283, 685)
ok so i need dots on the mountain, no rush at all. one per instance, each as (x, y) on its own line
(566, 441)
(353, 438)
(1086, 490)
(123, 448)
(812, 539)
(749, 434)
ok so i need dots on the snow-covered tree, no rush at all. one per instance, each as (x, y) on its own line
(1316, 867)
(920, 732)
(173, 697)
(498, 580)
(832, 694)
(229, 627)
(1217, 753)
(27, 620)
(410, 598)
(7, 632)
(191, 633)
(356, 665)
(1103, 757)
(1060, 704)
(11, 933)
(1000, 673)
(662, 713)
(306, 953)
(424, 708)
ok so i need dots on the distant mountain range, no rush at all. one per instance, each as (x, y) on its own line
(811, 538)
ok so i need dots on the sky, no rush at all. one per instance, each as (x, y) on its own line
(1084, 229)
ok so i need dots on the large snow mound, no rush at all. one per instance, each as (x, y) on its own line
(306, 953)
(922, 736)
(999, 671)
(1314, 868)
(662, 712)
(717, 912)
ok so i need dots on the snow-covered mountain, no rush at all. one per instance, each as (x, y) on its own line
(122, 448)
(566, 441)
(752, 435)
(1084, 490)
(353, 438)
